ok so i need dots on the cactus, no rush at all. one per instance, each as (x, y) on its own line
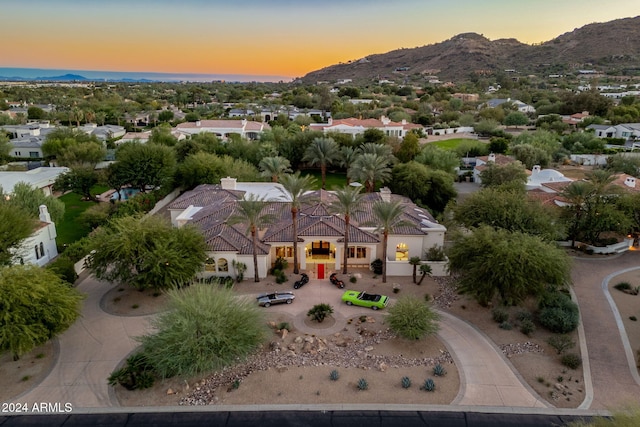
(429, 385)
(363, 384)
(439, 370)
(406, 382)
(334, 375)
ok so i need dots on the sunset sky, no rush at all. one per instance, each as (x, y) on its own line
(268, 37)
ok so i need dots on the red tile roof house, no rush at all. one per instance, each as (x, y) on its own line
(224, 128)
(354, 126)
(320, 234)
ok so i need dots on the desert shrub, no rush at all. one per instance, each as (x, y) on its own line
(96, 215)
(406, 382)
(353, 279)
(623, 286)
(429, 385)
(319, 312)
(524, 315)
(376, 266)
(334, 375)
(136, 374)
(571, 360)
(561, 343)
(413, 319)
(527, 327)
(439, 371)
(558, 313)
(77, 250)
(500, 315)
(506, 326)
(363, 384)
(280, 276)
(205, 328)
(280, 264)
(633, 318)
(64, 268)
(435, 253)
(284, 325)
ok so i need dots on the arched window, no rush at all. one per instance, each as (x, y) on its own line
(223, 265)
(37, 252)
(402, 252)
(41, 249)
(210, 264)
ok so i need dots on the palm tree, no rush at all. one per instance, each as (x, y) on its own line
(293, 188)
(348, 200)
(369, 168)
(388, 216)
(249, 211)
(425, 270)
(349, 155)
(576, 195)
(322, 152)
(415, 262)
(273, 167)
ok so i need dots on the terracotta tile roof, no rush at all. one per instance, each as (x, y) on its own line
(412, 214)
(501, 159)
(222, 237)
(620, 180)
(544, 197)
(318, 226)
(205, 195)
(557, 186)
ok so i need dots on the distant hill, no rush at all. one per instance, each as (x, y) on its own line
(608, 47)
(64, 78)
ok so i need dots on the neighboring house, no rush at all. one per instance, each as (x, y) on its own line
(320, 234)
(627, 183)
(39, 248)
(546, 180)
(142, 137)
(103, 133)
(42, 178)
(41, 128)
(355, 127)
(481, 162)
(223, 128)
(627, 131)
(520, 106)
(27, 146)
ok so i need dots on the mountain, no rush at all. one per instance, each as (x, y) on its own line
(608, 47)
(64, 78)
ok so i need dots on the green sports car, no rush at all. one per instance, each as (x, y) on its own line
(364, 299)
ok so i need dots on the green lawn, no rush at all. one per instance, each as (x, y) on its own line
(69, 229)
(451, 144)
(334, 179)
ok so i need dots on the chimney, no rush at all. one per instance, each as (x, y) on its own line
(330, 121)
(385, 120)
(535, 170)
(198, 123)
(491, 158)
(44, 214)
(404, 121)
(630, 182)
(385, 194)
(228, 183)
(244, 122)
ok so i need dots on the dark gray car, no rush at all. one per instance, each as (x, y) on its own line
(265, 300)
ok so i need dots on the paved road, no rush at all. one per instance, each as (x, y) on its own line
(614, 378)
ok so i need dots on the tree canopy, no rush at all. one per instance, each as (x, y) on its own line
(147, 253)
(142, 165)
(36, 305)
(426, 187)
(508, 265)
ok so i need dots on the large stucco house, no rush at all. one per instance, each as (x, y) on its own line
(353, 126)
(223, 128)
(320, 233)
(39, 248)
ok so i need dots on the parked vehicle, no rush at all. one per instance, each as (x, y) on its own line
(266, 300)
(333, 278)
(303, 281)
(373, 301)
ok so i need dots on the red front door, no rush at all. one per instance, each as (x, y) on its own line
(320, 271)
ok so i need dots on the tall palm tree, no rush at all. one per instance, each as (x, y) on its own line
(273, 167)
(249, 211)
(576, 195)
(349, 155)
(322, 152)
(348, 201)
(369, 168)
(388, 216)
(293, 188)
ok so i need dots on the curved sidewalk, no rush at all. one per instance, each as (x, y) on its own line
(89, 351)
(613, 375)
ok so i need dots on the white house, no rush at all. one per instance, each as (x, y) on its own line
(42, 178)
(627, 131)
(224, 128)
(520, 106)
(39, 248)
(320, 233)
(353, 126)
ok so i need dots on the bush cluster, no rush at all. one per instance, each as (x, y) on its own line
(558, 313)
